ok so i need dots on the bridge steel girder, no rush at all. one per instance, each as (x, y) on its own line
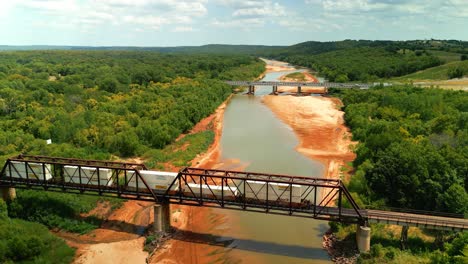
(316, 198)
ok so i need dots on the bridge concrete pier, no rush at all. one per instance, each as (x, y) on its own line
(8, 194)
(251, 89)
(275, 90)
(299, 90)
(363, 236)
(162, 217)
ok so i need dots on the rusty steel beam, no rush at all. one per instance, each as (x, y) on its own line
(200, 187)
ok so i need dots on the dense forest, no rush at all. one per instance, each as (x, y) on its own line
(413, 154)
(337, 61)
(103, 105)
(410, 139)
(96, 103)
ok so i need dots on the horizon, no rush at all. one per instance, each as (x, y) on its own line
(170, 23)
(221, 44)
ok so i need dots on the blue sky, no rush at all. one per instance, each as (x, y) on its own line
(198, 22)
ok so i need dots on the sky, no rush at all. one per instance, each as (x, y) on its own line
(198, 22)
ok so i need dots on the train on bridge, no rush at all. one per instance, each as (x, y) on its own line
(158, 182)
(316, 198)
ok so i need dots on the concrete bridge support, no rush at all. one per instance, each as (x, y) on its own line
(251, 89)
(8, 194)
(299, 90)
(363, 236)
(162, 217)
(275, 90)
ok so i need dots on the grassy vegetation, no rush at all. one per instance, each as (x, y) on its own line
(180, 153)
(435, 73)
(59, 210)
(446, 56)
(297, 76)
(26, 242)
(420, 247)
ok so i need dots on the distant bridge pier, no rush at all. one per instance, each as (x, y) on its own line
(275, 90)
(162, 217)
(299, 90)
(251, 89)
(363, 236)
(8, 194)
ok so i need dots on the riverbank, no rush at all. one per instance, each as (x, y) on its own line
(187, 220)
(120, 239)
(319, 126)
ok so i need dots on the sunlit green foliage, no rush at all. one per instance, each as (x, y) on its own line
(364, 63)
(58, 210)
(93, 104)
(413, 150)
(436, 73)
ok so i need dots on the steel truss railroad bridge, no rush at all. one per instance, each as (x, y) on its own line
(325, 199)
(325, 85)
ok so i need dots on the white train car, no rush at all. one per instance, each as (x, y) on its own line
(211, 191)
(89, 175)
(279, 192)
(32, 170)
(156, 180)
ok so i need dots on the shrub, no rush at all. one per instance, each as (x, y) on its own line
(390, 254)
(376, 251)
(456, 72)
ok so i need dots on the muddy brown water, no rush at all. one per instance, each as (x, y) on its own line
(256, 138)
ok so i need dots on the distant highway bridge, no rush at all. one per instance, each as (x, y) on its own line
(299, 85)
(317, 198)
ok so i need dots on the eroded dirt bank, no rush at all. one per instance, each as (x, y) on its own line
(120, 240)
(191, 222)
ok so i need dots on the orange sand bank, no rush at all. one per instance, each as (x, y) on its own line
(186, 219)
(320, 128)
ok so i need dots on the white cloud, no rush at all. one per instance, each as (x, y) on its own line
(269, 9)
(152, 14)
(390, 7)
(244, 23)
(250, 14)
(254, 8)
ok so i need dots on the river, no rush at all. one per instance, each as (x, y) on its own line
(255, 138)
